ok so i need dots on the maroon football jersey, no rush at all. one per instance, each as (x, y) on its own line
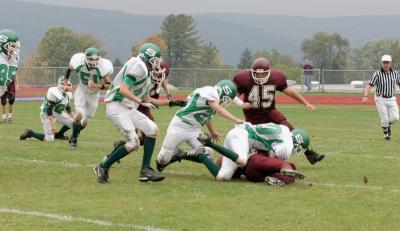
(261, 97)
(156, 87)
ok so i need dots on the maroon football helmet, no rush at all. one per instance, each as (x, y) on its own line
(260, 70)
(159, 76)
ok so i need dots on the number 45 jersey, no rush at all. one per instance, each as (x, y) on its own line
(197, 112)
(261, 97)
(97, 74)
(8, 70)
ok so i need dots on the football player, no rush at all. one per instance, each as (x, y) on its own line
(258, 86)
(54, 108)
(8, 97)
(159, 80)
(273, 143)
(9, 57)
(186, 125)
(129, 89)
(94, 73)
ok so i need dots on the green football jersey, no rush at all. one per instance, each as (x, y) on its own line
(197, 112)
(8, 70)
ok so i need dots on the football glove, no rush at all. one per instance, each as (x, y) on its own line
(169, 97)
(149, 105)
(180, 103)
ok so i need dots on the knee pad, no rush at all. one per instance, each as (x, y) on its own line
(154, 130)
(49, 138)
(132, 143)
(164, 156)
(78, 117)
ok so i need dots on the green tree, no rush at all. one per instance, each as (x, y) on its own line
(209, 56)
(117, 63)
(59, 44)
(328, 51)
(275, 57)
(368, 56)
(246, 59)
(183, 42)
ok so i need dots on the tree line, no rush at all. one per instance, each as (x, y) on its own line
(183, 47)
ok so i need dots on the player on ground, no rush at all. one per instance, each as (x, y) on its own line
(54, 108)
(258, 86)
(94, 73)
(186, 125)
(129, 89)
(273, 143)
(9, 57)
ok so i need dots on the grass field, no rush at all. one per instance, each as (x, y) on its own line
(45, 186)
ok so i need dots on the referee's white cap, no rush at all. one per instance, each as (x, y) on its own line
(387, 58)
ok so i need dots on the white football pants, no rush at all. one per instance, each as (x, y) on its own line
(387, 109)
(62, 118)
(86, 104)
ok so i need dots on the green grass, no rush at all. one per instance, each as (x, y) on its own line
(50, 179)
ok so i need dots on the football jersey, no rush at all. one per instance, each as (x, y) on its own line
(61, 100)
(134, 73)
(197, 112)
(261, 97)
(274, 138)
(97, 74)
(8, 70)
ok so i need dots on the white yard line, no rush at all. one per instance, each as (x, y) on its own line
(78, 219)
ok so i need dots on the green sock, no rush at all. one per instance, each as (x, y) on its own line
(225, 151)
(211, 166)
(117, 154)
(61, 132)
(148, 148)
(76, 129)
(38, 135)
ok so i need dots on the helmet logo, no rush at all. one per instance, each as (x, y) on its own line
(150, 52)
(225, 89)
(3, 38)
(299, 139)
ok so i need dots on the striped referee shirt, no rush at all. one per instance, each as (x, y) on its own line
(385, 82)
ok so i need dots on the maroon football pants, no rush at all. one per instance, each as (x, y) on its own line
(9, 95)
(260, 166)
(270, 116)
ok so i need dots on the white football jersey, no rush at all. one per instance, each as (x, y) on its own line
(61, 100)
(197, 112)
(8, 70)
(136, 71)
(104, 68)
(274, 138)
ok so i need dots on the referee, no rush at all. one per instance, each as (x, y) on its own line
(385, 80)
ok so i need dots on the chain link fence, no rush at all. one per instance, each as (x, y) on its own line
(190, 78)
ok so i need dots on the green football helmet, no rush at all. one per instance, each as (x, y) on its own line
(60, 84)
(9, 44)
(301, 140)
(92, 57)
(227, 91)
(151, 55)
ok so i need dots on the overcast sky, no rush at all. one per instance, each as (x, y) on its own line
(310, 8)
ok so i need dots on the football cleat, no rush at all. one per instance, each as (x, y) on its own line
(292, 172)
(74, 143)
(386, 136)
(4, 121)
(191, 155)
(313, 157)
(204, 138)
(27, 134)
(275, 182)
(63, 138)
(148, 174)
(101, 174)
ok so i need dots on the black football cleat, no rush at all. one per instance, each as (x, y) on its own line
(101, 174)
(148, 174)
(74, 143)
(192, 155)
(292, 172)
(63, 138)
(275, 182)
(27, 134)
(204, 138)
(313, 157)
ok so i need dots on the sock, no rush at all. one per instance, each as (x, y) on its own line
(76, 129)
(10, 115)
(38, 135)
(385, 130)
(211, 166)
(61, 132)
(225, 151)
(148, 148)
(117, 154)
(4, 116)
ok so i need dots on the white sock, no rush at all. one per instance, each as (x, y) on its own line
(4, 116)
(10, 115)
